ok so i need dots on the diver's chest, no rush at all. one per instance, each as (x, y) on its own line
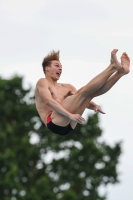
(59, 92)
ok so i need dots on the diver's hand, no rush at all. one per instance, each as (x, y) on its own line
(77, 118)
(97, 108)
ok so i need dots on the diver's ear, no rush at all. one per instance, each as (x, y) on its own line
(47, 68)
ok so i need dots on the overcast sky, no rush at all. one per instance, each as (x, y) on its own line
(85, 32)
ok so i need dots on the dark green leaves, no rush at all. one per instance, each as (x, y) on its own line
(36, 164)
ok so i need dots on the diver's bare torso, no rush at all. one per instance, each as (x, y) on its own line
(58, 93)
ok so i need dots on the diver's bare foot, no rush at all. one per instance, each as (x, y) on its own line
(125, 62)
(114, 62)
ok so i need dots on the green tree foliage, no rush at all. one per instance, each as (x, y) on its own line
(53, 167)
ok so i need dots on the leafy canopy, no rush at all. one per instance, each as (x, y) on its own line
(51, 167)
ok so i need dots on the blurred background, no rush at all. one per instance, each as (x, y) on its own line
(85, 32)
